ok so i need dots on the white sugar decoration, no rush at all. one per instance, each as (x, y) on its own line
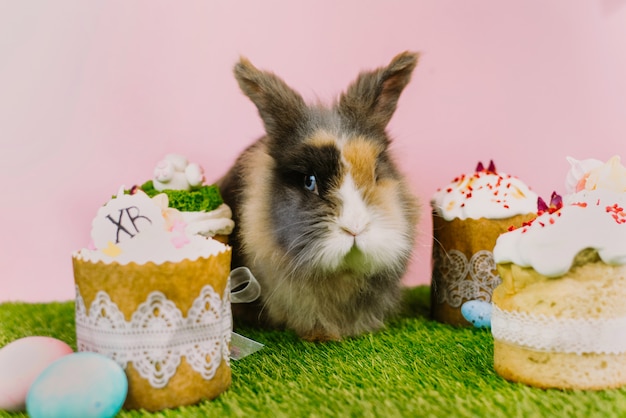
(124, 217)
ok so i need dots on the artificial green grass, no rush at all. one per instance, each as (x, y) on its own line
(414, 368)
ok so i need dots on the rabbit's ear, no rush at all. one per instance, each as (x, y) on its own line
(370, 101)
(279, 106)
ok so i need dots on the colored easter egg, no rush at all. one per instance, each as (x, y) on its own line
(21, 361)
(84, 384)
(477, 312)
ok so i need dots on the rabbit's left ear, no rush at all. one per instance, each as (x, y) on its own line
(279, 106)
(371, 99)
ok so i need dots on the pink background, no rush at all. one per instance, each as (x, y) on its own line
(93, 94)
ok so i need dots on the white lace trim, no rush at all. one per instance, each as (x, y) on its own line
(561, 335)
(158, 336)
(450, 274)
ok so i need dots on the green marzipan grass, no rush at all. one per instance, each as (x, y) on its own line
(201, 199)
(414, 368)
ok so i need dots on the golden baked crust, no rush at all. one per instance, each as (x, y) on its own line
(559, 370)
(591, 289)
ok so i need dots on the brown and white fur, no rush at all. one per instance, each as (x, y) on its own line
(324, 219)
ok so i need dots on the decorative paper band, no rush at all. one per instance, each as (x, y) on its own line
(158, 336)
(560, 335)
(458, 280)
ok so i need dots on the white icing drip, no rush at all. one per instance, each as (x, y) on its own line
(551, 242)
(484, 195)
(142, 249)
(559, 335)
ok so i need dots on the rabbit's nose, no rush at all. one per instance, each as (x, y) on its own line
(350, 231)
(353, 229)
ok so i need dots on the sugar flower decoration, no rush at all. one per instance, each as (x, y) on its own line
(556, 203)
(490, 169)
(592, 174)
(170, 215)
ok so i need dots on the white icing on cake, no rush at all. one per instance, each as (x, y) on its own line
(216, 222)
(135, 228)
(593, 218)
(552, 240)
(175, 172)
(484, 194)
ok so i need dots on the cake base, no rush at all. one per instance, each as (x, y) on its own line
(186, 387)
(578, 318)
(589, 371)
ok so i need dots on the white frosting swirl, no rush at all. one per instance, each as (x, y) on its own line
(485, 194)
(216, 222)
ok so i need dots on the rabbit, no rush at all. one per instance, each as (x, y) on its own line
(323, 217)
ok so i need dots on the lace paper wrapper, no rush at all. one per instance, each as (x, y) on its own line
(559, 335)
(463, 267)
(459, 279)
(169, 325)
(158, 336)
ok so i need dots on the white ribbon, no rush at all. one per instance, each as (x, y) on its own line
(560, 335)
(244, 289)
(244, 286)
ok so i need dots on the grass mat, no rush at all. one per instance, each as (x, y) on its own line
(415, 367)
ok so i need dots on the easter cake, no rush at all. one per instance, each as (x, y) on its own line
(468, 216)
(155, 298)
(559, 317)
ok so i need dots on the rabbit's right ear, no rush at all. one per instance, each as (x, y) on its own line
(279, 106)
(370, 101)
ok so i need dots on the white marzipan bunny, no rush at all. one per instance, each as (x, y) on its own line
(174, 172)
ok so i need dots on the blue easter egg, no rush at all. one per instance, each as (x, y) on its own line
(477, 312)
(86, 385)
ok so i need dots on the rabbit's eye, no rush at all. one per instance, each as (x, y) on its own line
(310, 183)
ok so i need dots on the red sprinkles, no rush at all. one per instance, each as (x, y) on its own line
(556, 204)
(617, 213)
(494, 188)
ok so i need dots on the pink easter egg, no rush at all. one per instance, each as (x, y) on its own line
(21, 361)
